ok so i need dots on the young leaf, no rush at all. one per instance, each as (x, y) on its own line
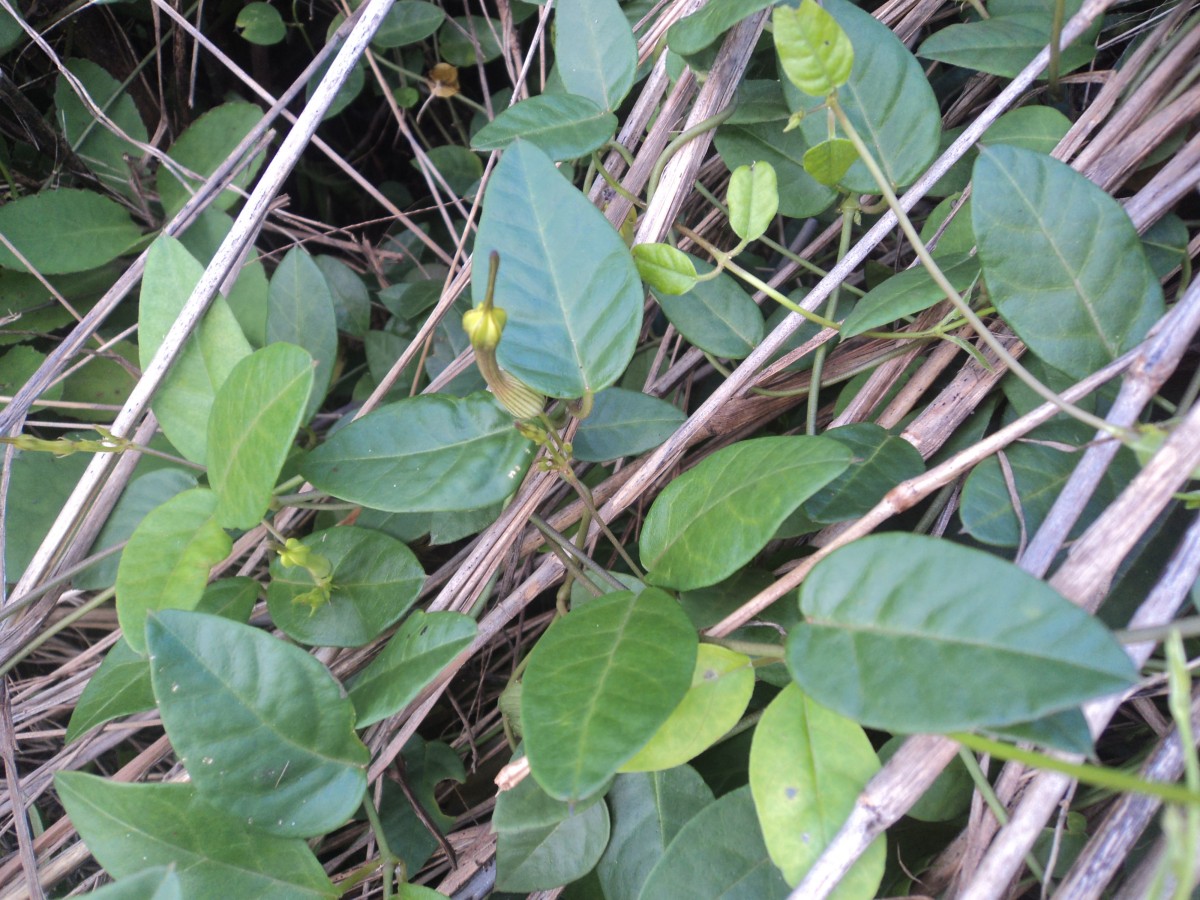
(563, 126)
(427, 454)
(687, 541)
(625, 423)
(1062, 262)
(412, 658)
(300, 311)
(753, 199)
(65, 230)
(165, 565)
(251, 428)
(204, 146)
(594, 50)
(829, 161)
(134, 827)
(747, 143)
(815, 53)
(912, 634)
(665, 269)
(720, 691)
(566, 279)
(807, 768)
(716, 315)
(599, 683)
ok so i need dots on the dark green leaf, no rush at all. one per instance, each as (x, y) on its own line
(264, 730)
(913, 634)
(39, 486)
(426, 765)
(65, 230)
(948, 798)
(594, 50)
(102, 150)
(1166, 244)
(814, 51)
(599, 684)
(351, 301)
(624, 423)
(346, 94)
(461, 168)
(1066, 731)
(716, 315)
(881, 461)
(159, 883)
(799, 194)
(696, 31)
(564, 126)
(910, 292)
(261, 23)
(408, 22)
(301, 312)
(120, 687)
(1037, 128)
(202, 148)
(466, 40)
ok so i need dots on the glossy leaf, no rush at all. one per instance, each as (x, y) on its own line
(408, 22)
(807, 767)
(183, 403)
(598, 685)
(1062, 262)
(913, 634)
(563, 126)
(133, 827)
(165, 565)
(648, 809)
(202, 148)
(120, 687)
(719, 853)
(800, 195)
(412, 658)
(158, 883)
(906, 294)
(65, 230)
(594, 50)
(716, 315)
(426, 454)
(689, 539)
(665, 269)
(625, 423)
(753, 199)
(721, 687)
(102, 150)
(566, 279)
(701, 28)
(229, 693)
(251, 428)
(375, 581)
(881, 461)
(816, 54)
(300, 311)
(829, 161)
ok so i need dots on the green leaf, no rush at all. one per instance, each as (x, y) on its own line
(599, 683)
(158, 883)
(65, 230)
(807, 767)
(183, 403)
(829, 161)
(816, 54)
(102, 150)
(18, 365)
(948, 798)
(346, 94)
(247, 299)
(719, 853)
(753, 199)
(563, 126)
(39, 486)
(204, 146)
(689, 539)
(412, 658)
(461, 168)
(1037, 128)
(261, 23)
(594, 50)
(165, 565)
(721, 687)
(887, 99)
(1066, 731)
(665, 269)
(264, 730)
(912, 634)
(648, 810)
(251, 428)
(624, 423)
(1165, 243)
(300, 311)
(566, 279)
(427, 454)
(375, 580)
(134, 827)
(881, 461)
(698, 30)
(120, 687)
(426, 765)
(351, 300)
(908, 293)
(408, 22)
(800, 195)
(1062, 262)
(715, 315)
(459, 37)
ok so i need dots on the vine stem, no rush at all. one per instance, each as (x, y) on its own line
(831, 305)
(678, 141)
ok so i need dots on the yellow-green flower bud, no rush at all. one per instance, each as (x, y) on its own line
(484, 325)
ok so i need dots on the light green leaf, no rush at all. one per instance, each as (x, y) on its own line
(720, 854)
(159, 883)
(412, 658)
(816, 54)
(713, 519)
(300, 311)
(829, 161)
(800, 195)
(721, 687)
(594, 50)
(134, 827)
(753, 199)
(120, 687)
(204, 146)
(426, 454)
(624, 423)
(251, 428)
(698, 30)
(261, 23)
(183, 403)
(807, 768)
(563, 126)
(408, 22)
(1062, 262)
(881, 461)
(599, 683)
(648, 809)
(911, 634)
(665, 269)
(715, 315)
(165, 565)
(102, 150)
(230, 694)
(65, 230)
(908, 293)
(566, 279)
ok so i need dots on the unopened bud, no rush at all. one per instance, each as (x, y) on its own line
(484, 325)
